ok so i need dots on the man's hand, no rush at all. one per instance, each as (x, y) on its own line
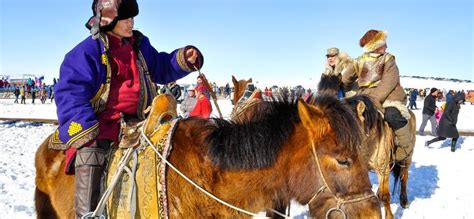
(191, 55)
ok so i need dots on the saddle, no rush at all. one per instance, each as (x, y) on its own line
(142, 192)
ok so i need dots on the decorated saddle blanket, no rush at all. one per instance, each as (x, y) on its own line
(141, 190)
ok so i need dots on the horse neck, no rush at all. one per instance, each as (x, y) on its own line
(377, 139)
(302, 168)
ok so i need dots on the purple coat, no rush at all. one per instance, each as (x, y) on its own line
(83, 75)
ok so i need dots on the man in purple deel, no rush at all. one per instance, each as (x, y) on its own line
(110, 75)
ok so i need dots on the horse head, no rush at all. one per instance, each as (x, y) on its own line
(239, 88)
(342, 188)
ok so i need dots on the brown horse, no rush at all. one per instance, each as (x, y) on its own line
(290, 151)
(378, 150)
(239, 88)
(244, 111)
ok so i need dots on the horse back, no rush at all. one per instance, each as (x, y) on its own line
(52, 183)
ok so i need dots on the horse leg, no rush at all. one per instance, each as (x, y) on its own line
(403, 180)
(384, 194)
(44, 209)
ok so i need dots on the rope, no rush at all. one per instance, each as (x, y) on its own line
(325, 186)
(132, 194)
(101, 205)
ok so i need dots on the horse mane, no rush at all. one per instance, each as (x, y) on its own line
(256, 143)
(372, 117)
(342, 120)
(329, 84)
(252, 144)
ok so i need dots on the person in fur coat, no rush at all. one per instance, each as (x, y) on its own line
(330, 82)
(377, 75)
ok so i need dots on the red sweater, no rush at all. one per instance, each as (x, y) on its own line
(124, 88)
(203, 108)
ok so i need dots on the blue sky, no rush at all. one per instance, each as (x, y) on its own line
(267, 40)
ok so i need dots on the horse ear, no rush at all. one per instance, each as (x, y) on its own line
(360, 110)
(249, 80)
(312, 119)
(234, 80)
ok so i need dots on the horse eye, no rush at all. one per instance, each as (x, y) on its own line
(344, 162)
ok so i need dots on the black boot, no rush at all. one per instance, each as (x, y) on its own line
(89, 169)
(453, 145)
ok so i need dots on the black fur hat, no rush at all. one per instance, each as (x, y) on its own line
(108, 12)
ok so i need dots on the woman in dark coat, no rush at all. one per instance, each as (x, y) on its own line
(447, 124)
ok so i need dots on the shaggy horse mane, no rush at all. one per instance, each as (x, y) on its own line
(252, 144)
(255, 144)
(329, 84)
(372, 117)
(342, 120)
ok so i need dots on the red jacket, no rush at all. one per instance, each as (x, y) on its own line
(203, 108)
(124, 89)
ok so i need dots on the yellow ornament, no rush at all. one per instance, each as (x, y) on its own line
(74, 128)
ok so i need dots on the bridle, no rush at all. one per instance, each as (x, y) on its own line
(325, 187)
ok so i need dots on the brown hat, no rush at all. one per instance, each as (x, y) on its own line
(373, 40)
(332, 51)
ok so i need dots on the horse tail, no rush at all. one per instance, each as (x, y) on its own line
(396, 171)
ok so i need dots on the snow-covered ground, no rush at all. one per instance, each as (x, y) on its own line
(439, 182)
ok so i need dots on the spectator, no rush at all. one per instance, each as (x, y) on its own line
(189, 102)
(51, 93)
(447, 124)
(17, 93)
(307, 96)
(203, 106)
(33, 95)
(429, 108)
(200, 82)
(43, 94)
(412, 99)
(23, 94)
(227, 90)
(449, 96)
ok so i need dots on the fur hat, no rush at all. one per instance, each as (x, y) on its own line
(108, 12)
(433, 90)
(373, 40)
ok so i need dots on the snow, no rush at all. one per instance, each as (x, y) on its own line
(438, 186)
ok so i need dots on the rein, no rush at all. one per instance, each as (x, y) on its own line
(325, 187)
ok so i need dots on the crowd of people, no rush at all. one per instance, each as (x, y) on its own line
(28, 90)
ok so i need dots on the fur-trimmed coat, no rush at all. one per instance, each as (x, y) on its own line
(377, 76)
(330, 82)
